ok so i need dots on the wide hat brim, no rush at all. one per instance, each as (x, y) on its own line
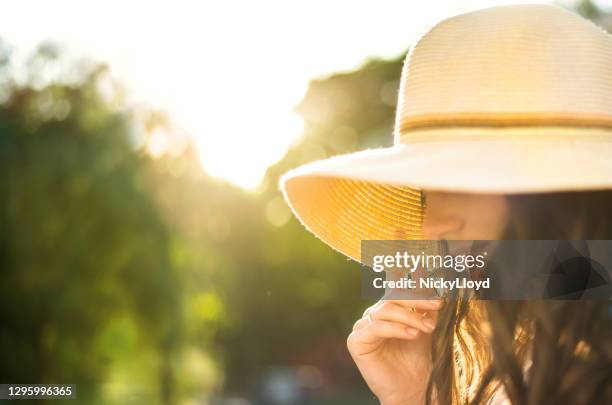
(376, 194)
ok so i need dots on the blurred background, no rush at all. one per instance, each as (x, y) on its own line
(145, 252)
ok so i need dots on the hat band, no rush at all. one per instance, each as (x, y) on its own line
(543, 133)
(501, 119)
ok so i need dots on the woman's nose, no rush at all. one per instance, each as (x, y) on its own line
(441, 227)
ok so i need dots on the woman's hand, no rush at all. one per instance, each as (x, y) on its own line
(391, 345)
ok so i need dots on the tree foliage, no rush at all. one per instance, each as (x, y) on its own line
(83, 247)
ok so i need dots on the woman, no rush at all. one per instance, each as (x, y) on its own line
(405, 358)
(503, 131)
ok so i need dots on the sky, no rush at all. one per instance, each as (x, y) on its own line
(228, 72)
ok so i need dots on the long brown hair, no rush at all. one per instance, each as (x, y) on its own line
(482, 346)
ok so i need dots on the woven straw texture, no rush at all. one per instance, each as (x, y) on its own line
(508, 65)
(510, 99)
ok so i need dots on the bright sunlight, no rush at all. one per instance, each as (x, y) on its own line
(229, 73)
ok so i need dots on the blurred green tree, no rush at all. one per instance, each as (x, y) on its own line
(588, 9)
(85, 256)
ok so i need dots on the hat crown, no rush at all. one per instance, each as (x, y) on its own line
(507, 65)
(540, 72)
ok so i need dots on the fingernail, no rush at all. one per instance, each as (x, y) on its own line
(429, 323)
(412, 331)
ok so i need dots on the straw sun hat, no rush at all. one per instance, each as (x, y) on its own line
(510, 99)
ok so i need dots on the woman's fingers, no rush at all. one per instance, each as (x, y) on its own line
(412, 305)
(423, 305)
(424, 321)
(378, 329)
(393, 312)
(361, 322)
(426, 305)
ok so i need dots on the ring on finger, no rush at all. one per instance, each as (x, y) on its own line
(414, 310)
